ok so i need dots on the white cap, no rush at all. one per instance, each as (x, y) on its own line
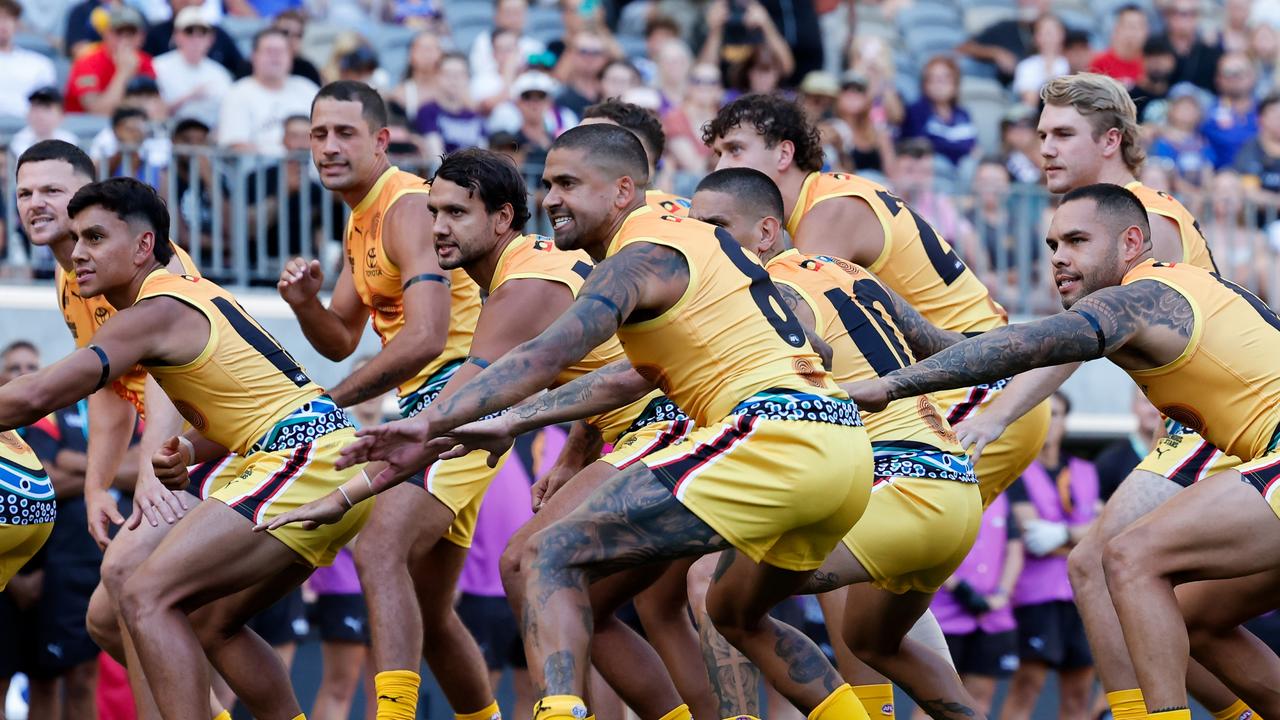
(534, 81)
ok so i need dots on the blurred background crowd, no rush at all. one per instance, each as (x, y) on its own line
(939, 99)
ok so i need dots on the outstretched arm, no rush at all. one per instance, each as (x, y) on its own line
(924, 338)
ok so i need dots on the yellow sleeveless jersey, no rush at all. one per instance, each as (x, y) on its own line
(537, 257)
(854, 315)
(1224, 386)
(729, 336)
(85, 315)
(667, 203)
(1195, 250)
(242, 382)
(380, 286)
(916, 262)
(26, 493)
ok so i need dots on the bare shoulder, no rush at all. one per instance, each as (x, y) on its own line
(843, 227)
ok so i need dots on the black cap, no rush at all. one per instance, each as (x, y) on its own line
(142, 85)
(361, 58)
(190, 123)
(47, 95)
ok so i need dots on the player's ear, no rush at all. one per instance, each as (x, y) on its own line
(786, 153)
(144, 251)
(1133, 243)
(770, 234)
(626, 191)
(382, 139)
(503, 218)
(1112, 139)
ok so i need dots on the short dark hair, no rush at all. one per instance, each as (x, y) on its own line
(1114, 202)
(132, 201)
(639, 120)
(1065, 400)
(372, 106)
(290, 14)
(1157, 45)
(1075, 37)
(774, 118)
(661, 22)
(47, 150)
(126, 113)
(11, 8)
(749, 186)
(915, 147)
(1265, 103)
(491, 175)
(19, 344)
(1128, 8)
(266, 32)
(608, 147)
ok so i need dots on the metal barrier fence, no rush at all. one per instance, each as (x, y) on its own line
(242, 217)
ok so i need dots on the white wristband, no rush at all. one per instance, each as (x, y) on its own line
(185, 444)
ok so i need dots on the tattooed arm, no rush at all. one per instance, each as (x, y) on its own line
(1120, 313)
(641, 276)
(924, 338)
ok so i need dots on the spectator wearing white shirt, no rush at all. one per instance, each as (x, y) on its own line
(191, 84)
(255, 108)
(44, 121)
(509, 16)
(22, 72)
(1049, 62)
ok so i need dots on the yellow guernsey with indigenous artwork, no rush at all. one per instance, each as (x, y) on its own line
(27, 505)
(246, 393)
(666, 202)
(779, 464)
(381, 288)
(85, 315)
(925, 507)
(923, 268)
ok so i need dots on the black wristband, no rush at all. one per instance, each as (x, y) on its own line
(426, 277)
(617, 312)
(106, 367)
(1097, 330)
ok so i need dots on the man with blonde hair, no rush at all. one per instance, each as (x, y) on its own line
(1089, 134)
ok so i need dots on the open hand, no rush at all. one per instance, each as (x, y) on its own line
(380, 442)
(103, 513)
(493, 435)
(156, 502)
(978, 431)
(324, 511)
(300, 281)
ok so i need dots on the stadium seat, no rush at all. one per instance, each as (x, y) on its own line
(1077, 19)
(468, 19)
(979, 18)
(976, 68)
(633, 46)
(84, 125)
(544, 23)
(925, 42)
(913, 18)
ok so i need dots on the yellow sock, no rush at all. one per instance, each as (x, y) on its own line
(301, 716)
(679, 713)
(559, 706)
(397, 692)
(224, 715)
(1182, 714)
(841, 704)
(489, 712)
(1127, 704)
(1237, 711)
(877, 699)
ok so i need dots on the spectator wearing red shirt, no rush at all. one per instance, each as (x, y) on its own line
(1123, 60)
(98, 77)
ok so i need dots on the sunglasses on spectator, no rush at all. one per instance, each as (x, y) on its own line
(533, 95)
(704, 80)
(196, 30)
(291, 34)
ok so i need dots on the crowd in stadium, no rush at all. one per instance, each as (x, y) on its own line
(938, 97)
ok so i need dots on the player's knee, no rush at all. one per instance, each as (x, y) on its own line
(509, 568)
(116, 569)
(558, 547)
(1084, 564)
(869, 645)
(730, 617)
(101, 621)
(1125, 557)
(374, 556)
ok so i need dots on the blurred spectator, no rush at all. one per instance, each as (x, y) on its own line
(1178, 140)
(683, 122)
(1020, 145)
(293, 238)
(1197, 59)
(865, 144)
(195, 191)
(404, 147)
(1264, 51)
(98, 77)
(293, 23)
(261, 8)
(937, 116)
(22, 72)
(1048, 63)
(973, 610)
(674, 62)
(450, 122)
(1233, 118)
(762, 73)
(130, 129)
(740, 34)
(491, 89)
(992, 223)
(1149, 94)
(796, 21)
(421, 73)
(85, 24)
(423, 14)
(872, 58)
(509, 16)
(153, 147)
(817, 95)
(1233, 36)
(914, 178)
(1238, 243)
(1078, 51)
(658, 31)
(342, 619)
(1123, 59)
(161, 38)
(254, 109)
(1055, 502)
(617, 77)
(44, 121)
(18, 358)
(585, 58)
(1118, 459)
(541, 120)
(1258, 162)
(190, 83)
(357, 60)
(1005, 43)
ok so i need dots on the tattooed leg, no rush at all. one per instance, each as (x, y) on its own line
(738, 603)
(734, 680)
(664, 612)
(876, 624)
(840, 569)
(632, 520)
